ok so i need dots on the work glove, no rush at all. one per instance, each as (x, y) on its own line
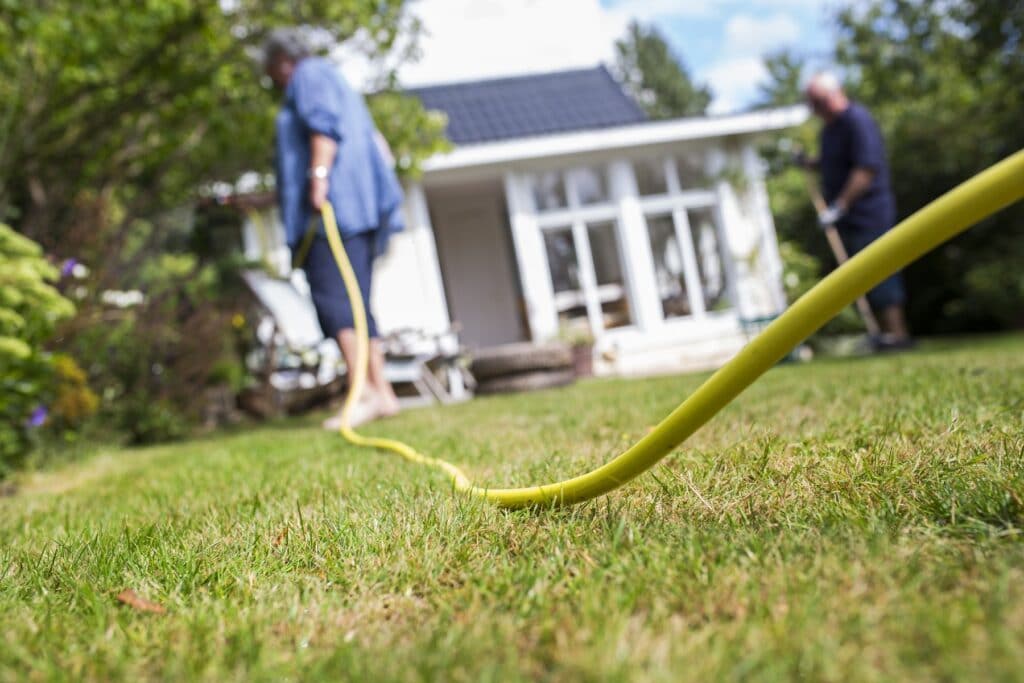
(830, 216)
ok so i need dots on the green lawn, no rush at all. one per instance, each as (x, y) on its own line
(842, 520)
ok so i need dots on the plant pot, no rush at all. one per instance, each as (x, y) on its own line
(583, 360)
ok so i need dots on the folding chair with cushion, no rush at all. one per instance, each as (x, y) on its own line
(296, 357)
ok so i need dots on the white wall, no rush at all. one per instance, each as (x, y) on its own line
(475, 249)
(407, 290)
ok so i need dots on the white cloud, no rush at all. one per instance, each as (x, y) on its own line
(650, 10)
(468, 39)
(787, 4)
(734, 82)
(472, 39)
(748, 35)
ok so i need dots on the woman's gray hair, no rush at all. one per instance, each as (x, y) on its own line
(288, 43)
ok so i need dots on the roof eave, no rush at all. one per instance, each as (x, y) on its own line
(618, 137)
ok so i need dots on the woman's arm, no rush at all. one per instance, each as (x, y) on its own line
(322, 151)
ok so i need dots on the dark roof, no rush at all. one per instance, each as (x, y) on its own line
(525, 106)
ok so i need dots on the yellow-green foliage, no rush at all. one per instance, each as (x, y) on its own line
(30, 308)
(74, 401)
(29, 305)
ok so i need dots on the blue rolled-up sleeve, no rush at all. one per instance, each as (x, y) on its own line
(316, 102)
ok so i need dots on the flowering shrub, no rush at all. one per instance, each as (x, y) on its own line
(30, 308)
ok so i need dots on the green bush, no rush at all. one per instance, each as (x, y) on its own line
(30, 308)
(800, 272)
(147, 421)
(152, 361)
(74, 402)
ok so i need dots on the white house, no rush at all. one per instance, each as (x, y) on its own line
(562, 209)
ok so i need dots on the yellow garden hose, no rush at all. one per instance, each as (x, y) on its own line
(946, 217)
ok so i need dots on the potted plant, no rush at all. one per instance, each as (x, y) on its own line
(581, 342)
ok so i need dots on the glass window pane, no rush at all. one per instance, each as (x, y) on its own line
(548, 191)
(611, 287)
(563, 265)
(562, 261)
(650, 177)
(711, 257)
(692, 173)
(604, 247)
(668, 266)
(591, 186)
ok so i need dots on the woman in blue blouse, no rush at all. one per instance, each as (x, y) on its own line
(327, 150)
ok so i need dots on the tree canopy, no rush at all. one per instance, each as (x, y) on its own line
(656, 78)
(120, 110)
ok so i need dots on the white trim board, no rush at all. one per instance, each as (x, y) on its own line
(620, 137)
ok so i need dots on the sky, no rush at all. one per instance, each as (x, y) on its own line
(721, 41)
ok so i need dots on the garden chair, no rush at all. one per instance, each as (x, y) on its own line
(295, 356)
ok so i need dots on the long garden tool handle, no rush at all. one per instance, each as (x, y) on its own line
(839, 251)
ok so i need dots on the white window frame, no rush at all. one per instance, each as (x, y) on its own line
(628, 211)
(676, 204)
(577, 217)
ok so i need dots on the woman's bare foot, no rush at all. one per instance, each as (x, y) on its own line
(388, 404)
(390, 411)
(372, 405)
(367, 409)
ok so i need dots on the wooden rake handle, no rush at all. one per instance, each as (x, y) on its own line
(839, 251)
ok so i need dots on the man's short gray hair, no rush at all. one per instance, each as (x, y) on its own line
(287, 43)
(826, 81)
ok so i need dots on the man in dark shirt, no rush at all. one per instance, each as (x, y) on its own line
(855, 184)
